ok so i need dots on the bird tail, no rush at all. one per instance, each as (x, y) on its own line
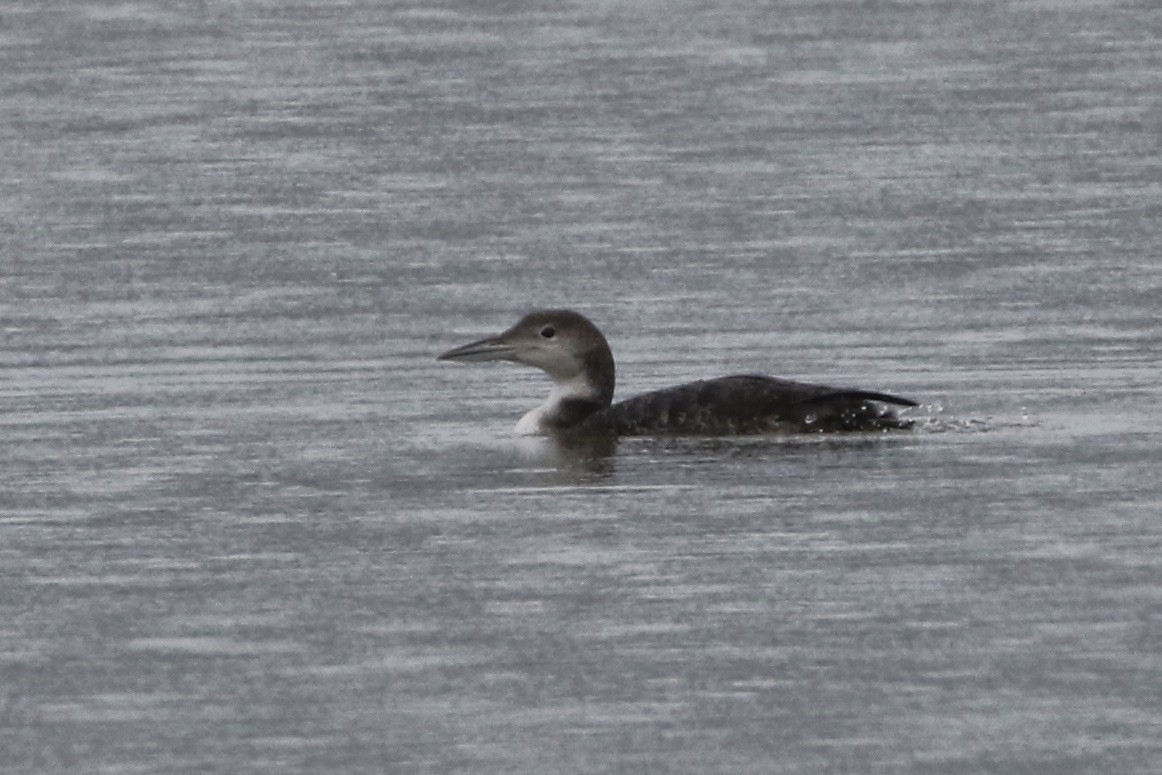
(860, 395)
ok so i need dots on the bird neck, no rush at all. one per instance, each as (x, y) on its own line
(573, 399)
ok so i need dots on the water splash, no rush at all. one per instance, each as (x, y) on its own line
(931, 418)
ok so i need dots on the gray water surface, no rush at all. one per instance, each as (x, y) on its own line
(248, 524)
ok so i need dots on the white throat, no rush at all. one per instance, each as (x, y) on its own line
(539, 421)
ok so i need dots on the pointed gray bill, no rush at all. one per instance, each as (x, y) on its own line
(494, 348)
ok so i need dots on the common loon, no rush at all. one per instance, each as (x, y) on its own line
(573, 352)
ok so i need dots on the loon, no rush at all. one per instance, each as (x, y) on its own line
(571, 350)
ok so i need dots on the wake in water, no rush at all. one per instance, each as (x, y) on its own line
(930, 418)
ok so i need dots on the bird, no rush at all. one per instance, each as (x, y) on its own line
(575, 355)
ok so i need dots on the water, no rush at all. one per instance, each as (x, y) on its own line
(248, 523)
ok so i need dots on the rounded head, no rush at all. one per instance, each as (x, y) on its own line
(560, 342)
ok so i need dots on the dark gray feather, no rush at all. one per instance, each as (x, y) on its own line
(746, 404)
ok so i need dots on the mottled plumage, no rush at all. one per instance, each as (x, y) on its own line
(575, 355)
(746, 404)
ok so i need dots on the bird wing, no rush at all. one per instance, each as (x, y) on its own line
(742, 404)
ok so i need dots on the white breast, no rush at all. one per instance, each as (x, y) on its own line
(538, 422)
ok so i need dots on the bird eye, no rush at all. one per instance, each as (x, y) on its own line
(548, 332)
